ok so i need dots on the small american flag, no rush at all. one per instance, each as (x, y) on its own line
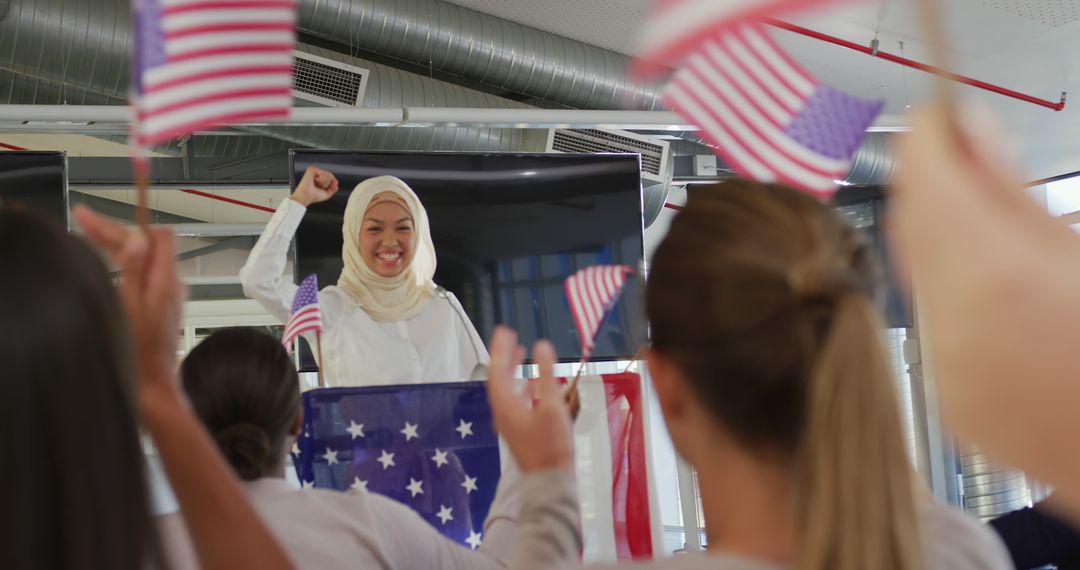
(591, 293)
(768, 117)
(306, 315)
(203, 63)
(676, 28)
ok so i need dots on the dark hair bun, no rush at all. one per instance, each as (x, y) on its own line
(247, 449)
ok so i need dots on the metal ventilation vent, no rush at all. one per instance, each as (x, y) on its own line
(328, 82)
(991, 490)
(653, 154)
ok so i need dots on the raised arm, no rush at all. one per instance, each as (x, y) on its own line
(225, 530)
(540, 436)
(261, 275)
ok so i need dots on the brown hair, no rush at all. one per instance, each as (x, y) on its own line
(244, 388)
(73, 492)
(764, 299)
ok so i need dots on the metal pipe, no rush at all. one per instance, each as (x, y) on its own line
(76, 115)
(451, 39)
(1058, 106)
(216, 230)
(88, 115)
(227, 200)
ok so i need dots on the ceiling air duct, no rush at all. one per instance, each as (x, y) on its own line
(656, 166)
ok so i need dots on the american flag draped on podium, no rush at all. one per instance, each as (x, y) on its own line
(433, 448)
(205, 63)
(767, 116)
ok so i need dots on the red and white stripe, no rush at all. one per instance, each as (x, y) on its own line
(228, 61)
(308, 318)
(743, 90)
(676, 27)
(591, 292)
(619, 516)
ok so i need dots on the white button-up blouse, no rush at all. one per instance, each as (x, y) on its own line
(437, 345)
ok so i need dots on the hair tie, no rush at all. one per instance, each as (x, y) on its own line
(816, 280)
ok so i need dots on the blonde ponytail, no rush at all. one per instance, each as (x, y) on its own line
(855, 483)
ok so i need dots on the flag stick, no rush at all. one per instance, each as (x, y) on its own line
(142, 183)
(322, 363)
(932, 22)
(573, 398)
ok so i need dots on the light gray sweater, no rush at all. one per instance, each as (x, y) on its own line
(327, 529)
(549, 538)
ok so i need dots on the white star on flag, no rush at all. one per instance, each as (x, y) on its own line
(415, 487)
(355, 430)
(464, 428)
(440, 458)
(470, 484)
(330, 456)
(358, 484)
(387, 460)
(307, 484)
(410, 431)
(445, 514)
(474, 539)
(295, 448)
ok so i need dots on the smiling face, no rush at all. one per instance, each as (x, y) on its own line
(386, 238)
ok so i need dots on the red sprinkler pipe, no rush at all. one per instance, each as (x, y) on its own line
(917, 65)
(229, 200)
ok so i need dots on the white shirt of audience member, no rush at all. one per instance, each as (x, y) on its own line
(385, 322)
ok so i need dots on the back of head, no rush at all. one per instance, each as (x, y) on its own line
(72, 493)
(244, 388)
(763, 298)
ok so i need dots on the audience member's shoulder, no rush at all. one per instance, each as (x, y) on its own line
(955, 541)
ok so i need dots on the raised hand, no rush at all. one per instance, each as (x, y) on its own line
(997, 283)
(225, 530)
(317, 185)
(539, 433)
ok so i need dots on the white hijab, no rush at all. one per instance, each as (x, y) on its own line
(387, 298)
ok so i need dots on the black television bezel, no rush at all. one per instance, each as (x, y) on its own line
(878, 199)
(64, 174)
(306, 351)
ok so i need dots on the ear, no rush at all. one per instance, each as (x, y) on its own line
(297, 422)
(669, 385)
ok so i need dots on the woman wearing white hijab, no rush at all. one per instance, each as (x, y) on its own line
(386, 321)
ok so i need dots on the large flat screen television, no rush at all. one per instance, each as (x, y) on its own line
(36, 180)
(866, 209)
(508, 229)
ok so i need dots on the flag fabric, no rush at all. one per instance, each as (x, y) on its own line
(433, 448)
(591, 293)
(676, 28)
(204, 63)
(306, 314)
(766, 115)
